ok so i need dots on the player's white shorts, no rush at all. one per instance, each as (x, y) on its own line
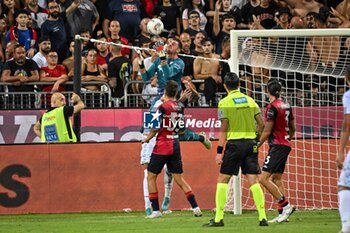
(344, 178)
(146, 151)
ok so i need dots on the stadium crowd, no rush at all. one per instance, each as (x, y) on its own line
(37, 40)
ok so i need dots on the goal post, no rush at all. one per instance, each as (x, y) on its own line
(311, 65)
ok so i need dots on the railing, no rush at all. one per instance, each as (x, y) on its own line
(137, 100)
(103, 97)
(39, 99)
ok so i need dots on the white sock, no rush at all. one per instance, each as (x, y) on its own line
(168, 182)
(344, 209)
(145, 190)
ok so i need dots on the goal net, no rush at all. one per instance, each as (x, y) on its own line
(311, 65)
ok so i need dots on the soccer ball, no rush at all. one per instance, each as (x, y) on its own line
(155, 26)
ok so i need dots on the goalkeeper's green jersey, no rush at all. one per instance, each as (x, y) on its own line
(240, 110)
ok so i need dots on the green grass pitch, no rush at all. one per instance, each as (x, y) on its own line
(326, 221)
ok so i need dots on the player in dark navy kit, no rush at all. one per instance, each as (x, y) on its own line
(167, 150)
(279, 130)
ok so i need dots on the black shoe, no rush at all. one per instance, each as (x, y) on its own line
(212, 223)
(263, 223)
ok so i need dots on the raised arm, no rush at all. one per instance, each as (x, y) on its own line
(78, 103)
(216, 20)
(73, 7)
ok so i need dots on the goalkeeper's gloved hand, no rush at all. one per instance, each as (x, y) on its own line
(160, 48)
(162, 55)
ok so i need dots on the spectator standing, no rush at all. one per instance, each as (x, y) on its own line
(20, 71)
(265, 13)
(186, 43)
(226, 7)
(283, 17)
(239, 3)
(54, 27)
(39, 15)
(143, 32)
(21, 33)
(323, 51)
(114, 31)
(119, 71)
(247, 12)
(9, 11)
(54, 72)
(189, 6)
(69, 61)
(3, 31)
(310, 19)
(9, 49)
(151, 88)
(197, 44)
(343, 8)
(128, 13)
(91, 71)
(87, 45)
(209, 71)
(103, 54)
(225, 55)
(136, 74)
(44, 49)
(101, 6)
(228, 23)
(169, 13)
(302, 7)
(85, 17)
(194, 25)
(43, 3)
(296, 23)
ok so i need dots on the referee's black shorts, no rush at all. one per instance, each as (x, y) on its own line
(240, 153)
(276, 160)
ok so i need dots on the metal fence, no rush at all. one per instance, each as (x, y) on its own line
(103, 98)
(39, 99)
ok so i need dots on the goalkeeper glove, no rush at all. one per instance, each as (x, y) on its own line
(160, 48)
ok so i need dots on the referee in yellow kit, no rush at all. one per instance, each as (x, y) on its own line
(239, 115)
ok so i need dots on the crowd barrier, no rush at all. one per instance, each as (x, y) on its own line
(41, 100)
(104, 98)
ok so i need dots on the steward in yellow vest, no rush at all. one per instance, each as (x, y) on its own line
(55, 125)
